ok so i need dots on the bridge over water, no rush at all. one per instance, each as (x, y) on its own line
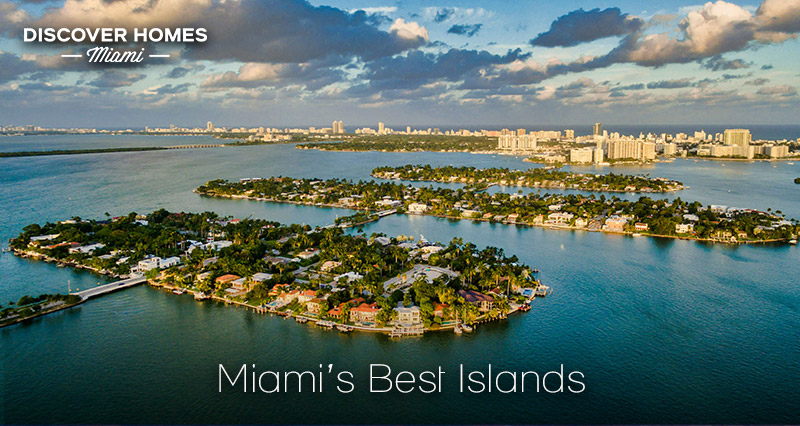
(108, 288)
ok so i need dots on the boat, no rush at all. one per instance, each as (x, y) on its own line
(179, 291)
(457, 329)
(301, 320)
(467, 328)
(201, 296)
(793, 242)
(343, 328)
(791, 164)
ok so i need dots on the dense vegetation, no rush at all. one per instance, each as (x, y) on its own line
(404, 143)
(259, 246)
(535, 177)
(662, 217)
(29, 306)
(77, 151)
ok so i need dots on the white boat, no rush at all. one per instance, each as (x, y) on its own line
(467, 328)
(793, 242)
(791, 164)
(178, 291)
(457, 329)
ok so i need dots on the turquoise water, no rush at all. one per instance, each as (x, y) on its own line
(665, 331)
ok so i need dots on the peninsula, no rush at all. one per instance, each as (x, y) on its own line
(393, 285)
(645, 216)
(534, 177)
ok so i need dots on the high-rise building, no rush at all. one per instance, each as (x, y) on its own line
(341, 126)
(569, 134)
(381, 127)
(738, 137)
(209, 127)
(581, 155)
(520, 132)
(517, 143)
(597, 129)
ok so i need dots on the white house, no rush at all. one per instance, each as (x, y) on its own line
(418, 208)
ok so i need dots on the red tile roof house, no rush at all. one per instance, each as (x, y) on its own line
(305, 296)
(364, 313)
(224, 279)
(484, 302)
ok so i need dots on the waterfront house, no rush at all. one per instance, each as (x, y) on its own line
(684, 228)
(559, 218)
(438, 309)
(581, 222)
(364, 313)
(417, 208)
(238, 284)
(86, 249)
(484, 302)
(615, 224)
(278, 289)
(640, 226)
(313, 306)
(408, 316)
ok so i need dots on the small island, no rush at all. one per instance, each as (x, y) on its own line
(797, 180)
(408, 143)
(398, 285)
(645, 216)
(535, 178)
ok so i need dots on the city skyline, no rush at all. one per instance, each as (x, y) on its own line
(673, 62)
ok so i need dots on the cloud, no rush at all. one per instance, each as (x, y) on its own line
(411, 31)
(670, 84)
(785, 91)
(169, 89)
(312, 76)
(418, 68)
(758, 82)
(580, 26)
(110, 79)
(717, 63)
(465, 29)
(184, 70)
(12, 66)
(12, 19)
(781, 16)
(443, 14)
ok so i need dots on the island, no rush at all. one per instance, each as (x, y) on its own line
(534, 177)
(645, 216)
(409, 143)
(395, 285)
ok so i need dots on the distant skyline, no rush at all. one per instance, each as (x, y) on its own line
(466, 63)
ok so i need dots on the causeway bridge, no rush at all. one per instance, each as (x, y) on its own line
(108, 288)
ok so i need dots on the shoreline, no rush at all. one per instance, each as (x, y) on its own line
(479, 219)
(491, 184)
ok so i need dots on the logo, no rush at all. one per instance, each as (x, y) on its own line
(115, 36)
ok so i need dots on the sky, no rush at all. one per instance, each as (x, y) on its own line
(461, 63)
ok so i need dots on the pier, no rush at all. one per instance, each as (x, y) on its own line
(108, 288)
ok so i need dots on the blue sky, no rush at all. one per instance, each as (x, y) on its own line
(290, 62)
